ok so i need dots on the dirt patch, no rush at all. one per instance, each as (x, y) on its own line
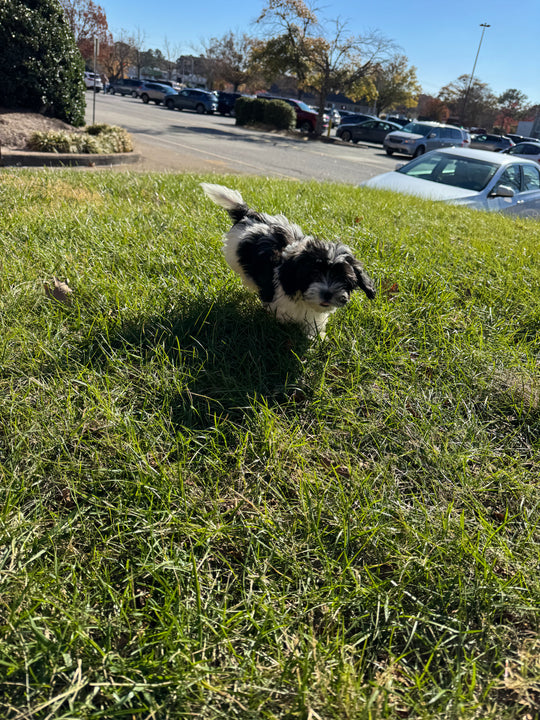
(17, 127)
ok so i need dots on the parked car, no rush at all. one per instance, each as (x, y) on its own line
(124, 86)
(369, 131)
(333, 115)
(476, 178)
(202, 101)
(226, 102)
(488, 141)
(521, 138)
(157, 92)
(401, 121)
(306, 118)
(529, 150)
(93, 81)
(354, 118)
(416, 138)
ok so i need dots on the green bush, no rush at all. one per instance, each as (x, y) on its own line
(279, 114)
(97, 139)
(243, 110)
(275, 113)
(41, 68)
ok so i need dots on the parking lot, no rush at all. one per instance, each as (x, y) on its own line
(186, 141)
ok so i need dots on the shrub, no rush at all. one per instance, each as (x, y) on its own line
(97, 139)
(276, 113)
(243, 110)
(279, 114)
(41, 68)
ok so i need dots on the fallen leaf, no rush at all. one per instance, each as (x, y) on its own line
(61, 291)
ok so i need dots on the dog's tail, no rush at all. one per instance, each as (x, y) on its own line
(229, 199)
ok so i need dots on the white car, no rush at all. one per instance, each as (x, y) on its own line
(93, 81)
(476, 178)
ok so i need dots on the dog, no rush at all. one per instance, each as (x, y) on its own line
(299, 278)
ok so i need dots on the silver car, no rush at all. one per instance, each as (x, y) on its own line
(156, 92)
(416, 138)
(479, 179)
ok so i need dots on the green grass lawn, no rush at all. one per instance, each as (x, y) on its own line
(204, 516)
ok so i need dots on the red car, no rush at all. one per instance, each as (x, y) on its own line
(306, 118)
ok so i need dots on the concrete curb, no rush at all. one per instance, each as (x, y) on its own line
(23, 158)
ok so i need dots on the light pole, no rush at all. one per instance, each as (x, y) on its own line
(483, 26)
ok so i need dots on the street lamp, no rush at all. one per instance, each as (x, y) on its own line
(483, 26)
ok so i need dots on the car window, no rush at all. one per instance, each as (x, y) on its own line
(467, 173)
(511, 178)
(531, 178)
(369, 124)
(417, 129)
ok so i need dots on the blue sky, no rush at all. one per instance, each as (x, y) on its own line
(440, 39)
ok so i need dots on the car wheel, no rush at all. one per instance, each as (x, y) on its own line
(389, 151)
(170, 104)
(199, 108)
(133, 94)
(420, 150)
(112, 91)
(145, 98)
(346, 136)
(306, 127)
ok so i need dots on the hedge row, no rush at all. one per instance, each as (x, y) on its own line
(276, 113)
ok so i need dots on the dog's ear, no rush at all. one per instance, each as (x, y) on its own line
(363, 281)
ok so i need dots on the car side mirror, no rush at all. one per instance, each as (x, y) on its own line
(503, 191)
(432, 135)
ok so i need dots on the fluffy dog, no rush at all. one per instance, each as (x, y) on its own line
(299, 278)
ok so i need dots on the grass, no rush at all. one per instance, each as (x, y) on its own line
(204, 516)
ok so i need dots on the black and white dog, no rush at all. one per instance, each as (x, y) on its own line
(298, 277)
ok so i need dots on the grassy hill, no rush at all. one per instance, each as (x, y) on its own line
(203, 515)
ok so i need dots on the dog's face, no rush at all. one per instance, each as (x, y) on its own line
(323, 274)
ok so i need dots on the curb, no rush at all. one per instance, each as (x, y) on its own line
(22, 158)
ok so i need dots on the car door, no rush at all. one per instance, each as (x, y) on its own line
(380, 131)
(524, 180)
(364, 130)
(433, 139)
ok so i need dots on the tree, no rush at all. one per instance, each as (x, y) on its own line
(87, 21)
(229, 59)
(513, 106)
(323, 55)
(396, 84)
(290, 24)
(41, 68)
(431, 108)
(473, 104)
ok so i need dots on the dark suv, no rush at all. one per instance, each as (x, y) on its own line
(226, 101)
(306, 117)
(202, 101)
(124, 86)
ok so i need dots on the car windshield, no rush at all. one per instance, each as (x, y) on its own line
(417, 128)
(303, 106)
(459, 171)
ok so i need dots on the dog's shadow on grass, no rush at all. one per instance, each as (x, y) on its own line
(214, 357)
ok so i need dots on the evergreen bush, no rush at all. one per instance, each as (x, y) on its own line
(41, 68)
(275, 113)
